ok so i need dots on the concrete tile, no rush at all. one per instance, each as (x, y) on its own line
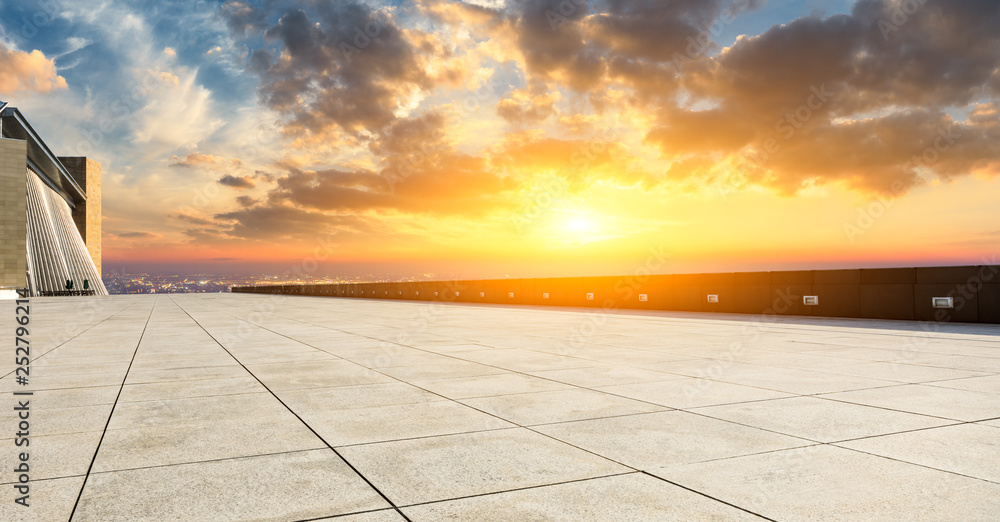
(65, 370)
(292, 486)
(456, 348)
(662, 439)
(444, 370)
(901, 372)
(74, 397)
(490, 385)
(968, 449)
(209, 439)
(688, 392)
(928, 400)
(452, 466)
(49, 500)
(708, 368)
(385, 515)
(520, 360)
(390, 358)
(529, 409)
(960, 362)
(988, 384)
(604, 375)
(636, 497)
(190, 389)
(62, 382)
(326, 375)
(60, 421)
(349, 397)
(185, 374)
(381, 423)
(803, 382)
(829, 483)
(819, 419)
(194, 411)
(52, 456)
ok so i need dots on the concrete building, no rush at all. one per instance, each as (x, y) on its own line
(51, 217)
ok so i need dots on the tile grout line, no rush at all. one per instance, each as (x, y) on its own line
(304, 423)
(111, 414)
(706, 495)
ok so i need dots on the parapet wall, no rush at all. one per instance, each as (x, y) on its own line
(889, 293)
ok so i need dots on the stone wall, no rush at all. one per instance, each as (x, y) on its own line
(87, 173)
(13, 213)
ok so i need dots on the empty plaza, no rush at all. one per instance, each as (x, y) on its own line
(257, 407)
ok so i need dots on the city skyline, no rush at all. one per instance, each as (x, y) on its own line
(522, 138)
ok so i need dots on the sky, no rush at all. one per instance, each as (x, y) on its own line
(522, 138)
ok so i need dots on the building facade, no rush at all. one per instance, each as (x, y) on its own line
(50, 224)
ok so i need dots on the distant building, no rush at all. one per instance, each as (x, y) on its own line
(50, 223)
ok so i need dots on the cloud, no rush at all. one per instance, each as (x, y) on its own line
(237, 182)
(193, 159)
(247, 201)
(131, 234)
(178, 111)
(339, 70)
(276, 222)
(528, 105)
(842, 99)
(22, 71)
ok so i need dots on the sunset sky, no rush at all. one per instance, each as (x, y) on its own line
(488, 138)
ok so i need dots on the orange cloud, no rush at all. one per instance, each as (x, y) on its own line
(28, 71)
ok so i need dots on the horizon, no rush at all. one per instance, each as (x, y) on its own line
(522, 138)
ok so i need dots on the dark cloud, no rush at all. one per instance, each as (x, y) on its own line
(237, 182)
(135, 235)
(338, 68)
(850, 98)
(247, 201)
(274, 222)
(188, 218)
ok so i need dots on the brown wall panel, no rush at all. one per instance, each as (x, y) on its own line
(838, 300)
(752, 299)
(887, 301)
(989, 303)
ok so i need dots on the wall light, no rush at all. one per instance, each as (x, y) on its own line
(810, 300)
(713, 298)
(943, 302)
(643, 298)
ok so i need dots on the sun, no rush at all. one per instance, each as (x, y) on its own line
(578, 227)
(579, 224)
